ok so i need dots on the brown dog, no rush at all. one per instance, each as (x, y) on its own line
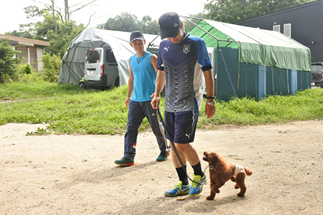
(221, 172)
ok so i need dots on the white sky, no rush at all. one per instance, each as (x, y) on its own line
(12, 13)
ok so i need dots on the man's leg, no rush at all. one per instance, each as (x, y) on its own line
(184, 134)
(157, 128)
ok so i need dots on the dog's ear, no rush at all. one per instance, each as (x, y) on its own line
(213, 157)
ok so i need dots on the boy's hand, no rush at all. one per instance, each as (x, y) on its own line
(127, 102)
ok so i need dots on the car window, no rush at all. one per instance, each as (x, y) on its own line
(317, 68)
(110, 56)
(93, 56)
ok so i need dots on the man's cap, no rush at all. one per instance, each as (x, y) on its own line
(136, 35)
(169, 24)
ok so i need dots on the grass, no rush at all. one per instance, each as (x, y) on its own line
(69, 109)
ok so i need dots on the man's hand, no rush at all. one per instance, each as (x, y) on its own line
(155, 102)
(209, 110)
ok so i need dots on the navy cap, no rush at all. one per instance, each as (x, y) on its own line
(136, 35)
(169, 24)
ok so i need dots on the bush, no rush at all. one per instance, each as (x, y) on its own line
(51, 67)
(8, 63)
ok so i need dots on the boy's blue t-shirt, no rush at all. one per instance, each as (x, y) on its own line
(144, 77)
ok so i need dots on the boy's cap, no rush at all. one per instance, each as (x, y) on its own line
(136, 35)
(169, 24)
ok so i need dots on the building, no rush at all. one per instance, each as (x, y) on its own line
(31, 50)
(302, 23)
(252, 62)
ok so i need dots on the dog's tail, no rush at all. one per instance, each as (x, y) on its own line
(248, 171)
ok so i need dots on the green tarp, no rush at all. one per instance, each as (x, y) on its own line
(256, 46)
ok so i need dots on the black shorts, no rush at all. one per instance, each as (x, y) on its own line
(181, 126)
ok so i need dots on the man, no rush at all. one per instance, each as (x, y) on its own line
(180, 60)
(141, 85)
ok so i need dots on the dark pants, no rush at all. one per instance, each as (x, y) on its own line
(136, 113)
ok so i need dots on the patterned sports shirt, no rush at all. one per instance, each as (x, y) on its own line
(183, 64)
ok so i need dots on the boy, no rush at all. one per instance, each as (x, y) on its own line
(141, 84)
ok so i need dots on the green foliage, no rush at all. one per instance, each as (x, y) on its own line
(44, 30)
(66, 32)
(232, 11)
(128, 22)
(25, 68)
(8, 62)
(39, 132)
(24, 73)
(51, 67)
(30, 30)
(71, 109)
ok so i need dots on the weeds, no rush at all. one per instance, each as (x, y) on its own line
(70, 109)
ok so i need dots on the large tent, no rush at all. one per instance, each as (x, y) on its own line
(73, 61)
(254, 62)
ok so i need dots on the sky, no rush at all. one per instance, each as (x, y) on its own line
(12, 13)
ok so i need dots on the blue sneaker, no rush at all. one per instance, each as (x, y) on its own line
(125, 162)
(178, 190)
(197, 185)
(163, 156)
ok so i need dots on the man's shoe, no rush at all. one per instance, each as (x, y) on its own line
(197, 185)
(178, 190)
(163, 156)
(125, 162)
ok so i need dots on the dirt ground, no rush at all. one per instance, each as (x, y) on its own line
(76, 174)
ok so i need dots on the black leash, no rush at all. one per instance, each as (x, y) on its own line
(174, 148)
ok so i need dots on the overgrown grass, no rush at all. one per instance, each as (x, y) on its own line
(70, 109)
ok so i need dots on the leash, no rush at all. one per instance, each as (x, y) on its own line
(174, 148)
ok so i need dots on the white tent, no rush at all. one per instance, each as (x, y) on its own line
(73, 60)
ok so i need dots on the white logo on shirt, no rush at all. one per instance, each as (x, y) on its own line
(186, 48)
(166, 49)
(175, 25)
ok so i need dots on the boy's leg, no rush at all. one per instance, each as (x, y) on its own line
(135, 117)
(156, 126)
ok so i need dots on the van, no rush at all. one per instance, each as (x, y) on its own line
(100, 69)
(317, 74)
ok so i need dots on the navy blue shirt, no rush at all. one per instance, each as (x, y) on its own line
(183, 64)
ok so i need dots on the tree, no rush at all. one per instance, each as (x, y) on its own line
(123, 22)
(128, 22)
(8, 62)
(51, 5)
(59, 42)
(148, 26)
(232, 11)
(45, 30)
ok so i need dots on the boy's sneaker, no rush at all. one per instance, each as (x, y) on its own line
(197, 185)
(178, 190)
(163, 156)
(125, 162)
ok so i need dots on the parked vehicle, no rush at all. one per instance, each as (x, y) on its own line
(100, 68)
(317, 74)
